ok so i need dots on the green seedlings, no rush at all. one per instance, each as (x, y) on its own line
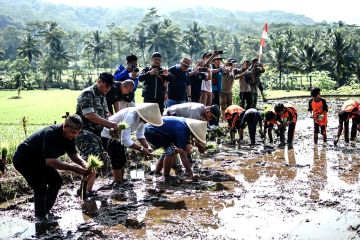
(94, 162)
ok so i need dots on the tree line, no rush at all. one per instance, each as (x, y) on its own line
(44, 55)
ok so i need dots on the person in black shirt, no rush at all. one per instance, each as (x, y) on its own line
(179, 88)
(155, 79)
(37, 160)
(118, 91)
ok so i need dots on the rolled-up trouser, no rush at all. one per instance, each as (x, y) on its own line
(116, 152)
(44, 180)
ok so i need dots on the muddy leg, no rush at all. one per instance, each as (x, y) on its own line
(346, 131)
(160, 164)
(353, 130)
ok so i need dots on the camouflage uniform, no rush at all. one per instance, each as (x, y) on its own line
(89, 139)
(254, 85)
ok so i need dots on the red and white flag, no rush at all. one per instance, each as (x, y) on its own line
(263, 37)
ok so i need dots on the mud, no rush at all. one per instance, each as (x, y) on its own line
(260, 192)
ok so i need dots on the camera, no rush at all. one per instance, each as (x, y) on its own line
(134, 68)
(203, 69)
(161, 71)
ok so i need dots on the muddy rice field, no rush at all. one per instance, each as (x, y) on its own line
(261, 192)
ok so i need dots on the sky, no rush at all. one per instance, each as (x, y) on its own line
(318, 10)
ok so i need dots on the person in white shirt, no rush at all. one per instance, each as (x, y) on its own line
(115, 142)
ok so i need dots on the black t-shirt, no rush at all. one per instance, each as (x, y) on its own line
(177, 87)
(113, 95)
(48, 142)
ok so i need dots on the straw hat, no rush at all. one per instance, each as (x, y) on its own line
(150, 113)
(197, 128)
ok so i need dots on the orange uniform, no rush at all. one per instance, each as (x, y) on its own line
(319, 110)
(350, 106)
(290, 113)
(232, 114)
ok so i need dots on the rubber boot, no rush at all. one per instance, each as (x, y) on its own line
(316, 137)
(324, 138)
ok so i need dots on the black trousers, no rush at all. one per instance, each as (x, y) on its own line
(44, 180)
(353, 130)
(156, 100)
(291, 132)
(245, 98)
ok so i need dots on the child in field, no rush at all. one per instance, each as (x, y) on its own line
(318, 109)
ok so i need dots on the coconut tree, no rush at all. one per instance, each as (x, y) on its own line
(96, 47)
(310, 57)
(194, 39)
(339, 53)
(141, 40)
(29, 48)
(280, 54)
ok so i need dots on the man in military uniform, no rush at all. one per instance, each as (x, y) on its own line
(256, 70)
(93, 110)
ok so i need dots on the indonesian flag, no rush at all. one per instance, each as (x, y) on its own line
(263, 37)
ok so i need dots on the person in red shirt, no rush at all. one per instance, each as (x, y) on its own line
(318, 110)
(269, 122)
(349, 110)
(232, 116)
(287, 116)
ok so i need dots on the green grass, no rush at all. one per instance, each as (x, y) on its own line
(39, 106)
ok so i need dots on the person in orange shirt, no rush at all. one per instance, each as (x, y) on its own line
(318, 110)
(232, 116)
(269, 122)
(349, 110)
(287, 116)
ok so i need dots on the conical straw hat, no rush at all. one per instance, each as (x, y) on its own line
(198, 128)
(150, 112)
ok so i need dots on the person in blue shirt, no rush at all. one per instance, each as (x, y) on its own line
(173, 136)
(216, 79)
(179, 89)
(131, 71)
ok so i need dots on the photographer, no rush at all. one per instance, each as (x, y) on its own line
(206, 85)
(155, 79)
(179, 88)
(130, 72)
(196, 78)
(244, 82)
(229, 72)
(216, 80)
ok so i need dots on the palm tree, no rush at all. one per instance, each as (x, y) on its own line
(194, 39)
(339, 54)
(155, 37)
(62, 58)
(310, 57)
(141, 40)
(95, 47)
(29, 48)
(280, 54)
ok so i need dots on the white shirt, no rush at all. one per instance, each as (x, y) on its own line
(131, 118)
(206, 85)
